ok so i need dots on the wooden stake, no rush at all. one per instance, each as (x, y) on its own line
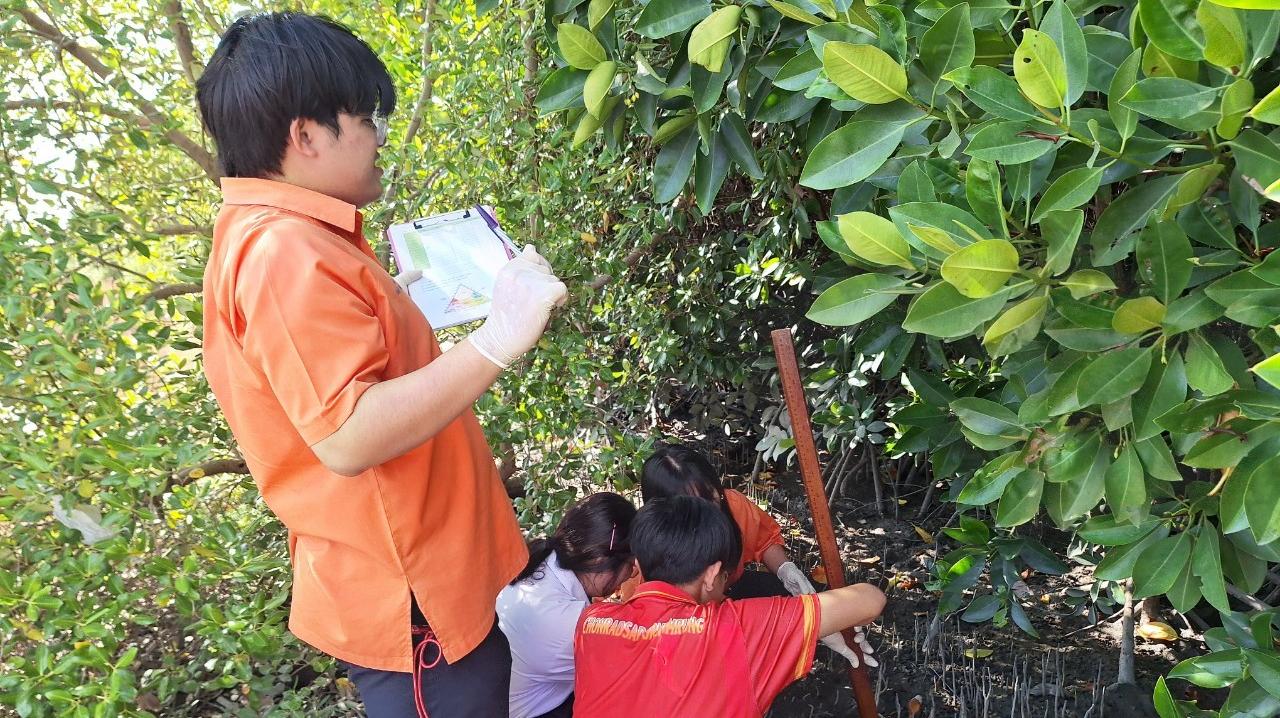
(802, 432)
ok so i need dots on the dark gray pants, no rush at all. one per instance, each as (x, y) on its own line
(476, 686)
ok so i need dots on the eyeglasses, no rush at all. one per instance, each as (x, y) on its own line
(380, 127)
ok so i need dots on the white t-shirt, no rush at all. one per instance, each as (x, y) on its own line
(538, 616)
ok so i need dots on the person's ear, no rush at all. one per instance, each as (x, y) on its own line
(302, 137)
(708, 578)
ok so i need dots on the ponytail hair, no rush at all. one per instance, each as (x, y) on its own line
(593, 537)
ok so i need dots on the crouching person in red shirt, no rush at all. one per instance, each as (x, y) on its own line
(677, 647)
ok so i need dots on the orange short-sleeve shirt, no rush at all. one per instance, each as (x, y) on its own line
(663, 654)
(299, 320)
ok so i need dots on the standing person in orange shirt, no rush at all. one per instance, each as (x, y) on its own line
(357, 428)
(679, 648)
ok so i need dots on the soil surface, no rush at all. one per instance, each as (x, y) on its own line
(968, 670)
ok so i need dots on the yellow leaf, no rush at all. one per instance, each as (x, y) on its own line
(588, 238)
(196, 473)
(34, 634)
(1157, 631)
(819, 573)
(976, 653)
(924, 535)
(85, 488)
(80, 644)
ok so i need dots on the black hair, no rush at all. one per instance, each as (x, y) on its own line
(272, 68)
(594, 536)
(679, 470)
(676, 539)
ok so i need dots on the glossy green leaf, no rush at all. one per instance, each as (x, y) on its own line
(1168, 98)
(672, 167)
(1040, 70)
(561, 90)
(710, 40)
(1206, 564)
(661, 18)
(994, 92)
(1126, 487)
(1017, 326)
(1164, 260)
(1171, 25)
(1135, 316)
(981, 269)
(949, 44)
(855, 300)
(1160, 564)
(875, 239)
(596, 88)
(1072, 189)
(864, 72)
(1213, 670)
(579, 47)
(1021, 500)
(1060, 24)
(1124, 119)
(1011, 142)
(941, 311)
(1113, 375)
(851, 153)
(1224, 35)
(1085, 282)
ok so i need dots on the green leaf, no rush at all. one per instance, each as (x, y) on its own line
(1269, 370)
(1125, 119)
(661, 18)
(1191, 188)
(994, 92)
(1190, 312)
(1021, 500)
(736, 140)
(1237, 100)
(1265, 669)
(1085, 282)
(987, 417)
(596, 88)
(1171, 25)
(1168, 98)
(1262, 501)
(1164, 388)
(1039, 69)
(875, 239)
(709, 42)
(1119, 562)
(709, 173)
(672, 166)
(597, 11)
(1112, 238)
(1160, 564)
(1106, 530)
(1268, 108)
(1257, 157)
(1205, 370)
(1060, 24)
(1224, 35)
(799, 72)
(1213, 670)
(851, 153)
(914, 184)
(1068, 500)
(1011, 143)
(1157, 460)
(1061, 230)
(1072, 189)
(1184, 594)
(672, 128)
(949, 44)
(864, 72)
(1165, 705)
(960, 226)
(1164, 259)
(855, 300)
(941, 311)
(588, 125)
(1073, 457)
(932, 237)
(795, 13)
(989, 482)
(982, 190)
(1113, 375)
(1135, 316)
(1206, 563)
(1016, 327)
(1249, 4)
(580, 48)
(1234, 494)
(561, 90)
(1126, 487)
(981, 269)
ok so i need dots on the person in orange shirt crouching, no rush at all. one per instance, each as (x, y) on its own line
(678, 647)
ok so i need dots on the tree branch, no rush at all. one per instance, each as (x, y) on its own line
(419, 107)
(151, 114)
(175, 230)
(165, 291)
(182, 38)
(182, 477)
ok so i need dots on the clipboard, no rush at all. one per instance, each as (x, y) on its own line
(459, 254)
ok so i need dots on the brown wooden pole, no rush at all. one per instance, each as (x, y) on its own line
(811, 472)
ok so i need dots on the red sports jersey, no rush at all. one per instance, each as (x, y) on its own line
(661, 654)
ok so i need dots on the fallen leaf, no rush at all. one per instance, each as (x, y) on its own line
(902, 502)
(346, 688)
(976, 653)
(1157, 631)
(924, 535)
(819, 573)
(869, 561)
(588, 238)
(1044, 598)
(914, 705)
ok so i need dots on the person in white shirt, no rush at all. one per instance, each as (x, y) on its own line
(588, 556)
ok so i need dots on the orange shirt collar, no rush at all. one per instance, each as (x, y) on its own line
(663, 589)
(292, 198)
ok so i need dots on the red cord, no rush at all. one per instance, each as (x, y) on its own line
(428, 638)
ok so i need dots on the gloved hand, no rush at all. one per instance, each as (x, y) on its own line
(794, 580)
(524, 293)
(404, 279)
(836, 643)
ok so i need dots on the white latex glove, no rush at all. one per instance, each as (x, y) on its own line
(404, 279)
(524, 293)
(794, 580)
(836, 643)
